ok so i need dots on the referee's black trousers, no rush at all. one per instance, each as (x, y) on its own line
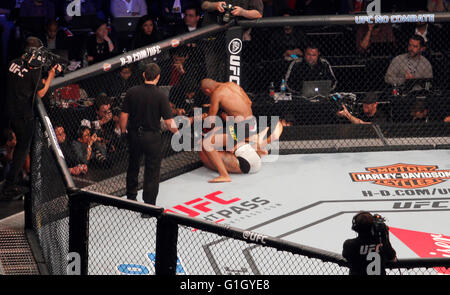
(147, 144)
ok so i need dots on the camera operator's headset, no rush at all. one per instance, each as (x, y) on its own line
(356, 227)
(29, 53)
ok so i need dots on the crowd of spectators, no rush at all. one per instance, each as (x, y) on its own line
(96, 35)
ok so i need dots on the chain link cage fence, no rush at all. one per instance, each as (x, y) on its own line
(49, 208)
(337, 78)
(384, 74)
(410, 114)
(120, 242)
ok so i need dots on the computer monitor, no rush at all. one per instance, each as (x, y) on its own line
(316, 88)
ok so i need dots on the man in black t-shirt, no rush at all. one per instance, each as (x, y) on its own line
(368, 253)
(142, 109)
(311, 67)
(249, 9)
(24, 82)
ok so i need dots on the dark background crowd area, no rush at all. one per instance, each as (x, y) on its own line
(21, 18)
(264, 58)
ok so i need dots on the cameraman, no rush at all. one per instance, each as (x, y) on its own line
(25, 83)
(249, 9)
(368, 253)
(214, 14)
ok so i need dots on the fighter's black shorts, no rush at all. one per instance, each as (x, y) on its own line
(236, 131)
(239, 131)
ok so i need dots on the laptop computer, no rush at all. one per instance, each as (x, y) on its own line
(312, 89)
(125, 24)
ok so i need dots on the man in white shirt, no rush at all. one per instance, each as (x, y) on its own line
(411, 65)
(128, 8)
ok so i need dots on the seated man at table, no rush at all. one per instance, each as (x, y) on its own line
(411, 65)
(310, 67)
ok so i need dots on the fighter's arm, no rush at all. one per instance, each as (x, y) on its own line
(213, 109)
(51, 74)
(123, 120)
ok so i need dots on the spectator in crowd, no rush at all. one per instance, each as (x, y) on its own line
(128, 8)
(178, 68)
(419, 112)
(411, 65)
(6, 26)
(431, 34)
(88, 149)
(375, 39)
(123, 80)
(311, 67)
(191, 20)
(185, 97)
(371, 113)
(173, 10)
(99, 46)
(53, 37)
(185, 69)
(37, 8)
(103, 124)
(438, 5)
(146, 32)
(75, 168)
(289, 43)
(8, 142)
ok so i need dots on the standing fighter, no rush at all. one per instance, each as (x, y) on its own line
(237, 105)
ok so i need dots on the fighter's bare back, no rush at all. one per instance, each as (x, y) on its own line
(233, 100)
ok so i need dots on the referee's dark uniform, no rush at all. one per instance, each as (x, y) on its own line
(145, 105)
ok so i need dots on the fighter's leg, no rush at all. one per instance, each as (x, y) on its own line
(211, 144)
(230, 161)
(261, 142)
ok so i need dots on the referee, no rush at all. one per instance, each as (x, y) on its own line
(142, 109)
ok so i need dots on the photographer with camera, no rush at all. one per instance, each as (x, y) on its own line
(218, 10)
(25, 83)
(368, 253)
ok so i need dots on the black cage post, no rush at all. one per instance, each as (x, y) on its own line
(166, 246)
(234, 49)
(78, 229)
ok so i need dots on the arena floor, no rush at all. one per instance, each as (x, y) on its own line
(310, 199)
